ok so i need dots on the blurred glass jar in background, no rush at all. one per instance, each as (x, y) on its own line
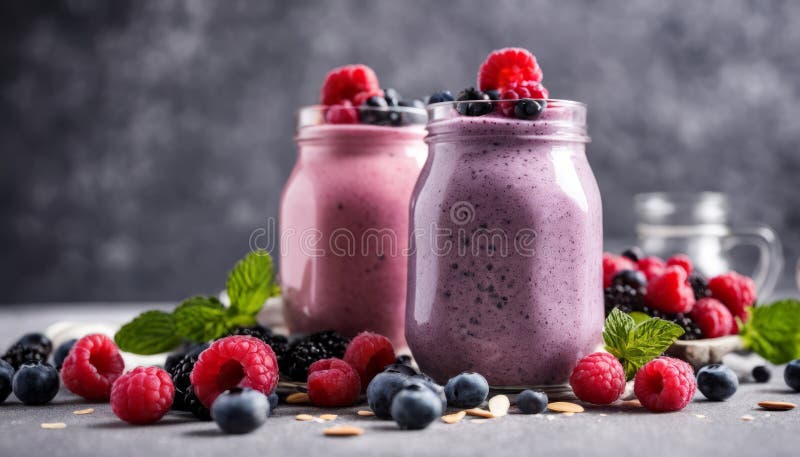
(698, 224)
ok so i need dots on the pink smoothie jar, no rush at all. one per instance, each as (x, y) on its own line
(344, 223)
(505, 275)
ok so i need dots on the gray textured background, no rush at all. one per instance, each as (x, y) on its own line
(143, 141)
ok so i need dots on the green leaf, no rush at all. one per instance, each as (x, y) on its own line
(617, 332)
(773, 331)
(251, 282)
(638, 316)
(200, 319)
(151, 332)
(635, 344)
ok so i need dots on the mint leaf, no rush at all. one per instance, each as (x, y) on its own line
(251, 282)
(149, 333)
(200, 319)
(636, 344)
(773, 331)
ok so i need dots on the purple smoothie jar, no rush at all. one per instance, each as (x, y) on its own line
(505, 269)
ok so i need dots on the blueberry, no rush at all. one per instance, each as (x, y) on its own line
(415, 406)
(273, 402)
(717, 382)
(62, 351)
(38, 341)
(432, 385)
(635, 279)
(634, 253)
(493, 94)
(466, 390)
(239, 411)
(761, 373)
(391, 97)
(6, 375)
(479, 108)
(36, 384)
(791, 374)
(374, 111)
(528, 108)
(439, 97)
(382, 389)
(532, 402)
(400, 368)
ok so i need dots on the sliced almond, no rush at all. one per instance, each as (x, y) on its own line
(53, 425)
(565, 407)
(747, 418)
(498, 405)
(328, 417)
(303, 417)
(365, 412)
(298, 398)
(81, 412)
(635, 403)
(777, 405)
(453, 418)
(700, 416)
(480, 412)
(568, 414)
(344, 430)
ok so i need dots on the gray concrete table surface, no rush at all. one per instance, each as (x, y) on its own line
(703, 428)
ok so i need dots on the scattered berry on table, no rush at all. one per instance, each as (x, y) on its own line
(92, 366)
(613, 264)
(142, 395)
(508, 68)
(18, 354)
(717, 382)
(441, 96)
(466, 390)
(333, 382)
(6, 376)
(598, 378)
(734, 291)
(239, 411)
(712, 317)
(761, 373)
(35, 383)
(176, 357)
(665, 384)
(670, 292)
(624, 297)
(38, 341)
(532, 402)
(651, 266)
(234, 361)
(415, 406)
(278, 343)
(479, 108)
(273, 402)
(426, 381)
(185, 398)
(317, 346)
(381, 391)
(633, 278)
(369, 353)
(62, 351)
(791, 374)
(344, 83)
(400, 368)
(342, 113)
(683, 261)
(528, 109)
(699, 285)
(634, 253)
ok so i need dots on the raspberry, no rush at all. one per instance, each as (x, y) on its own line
(344, 83)
(342, 113)
(234, 361)
(713, 318)
(652, 267)
(670, 292)
(681, 260)
(613, 264)
(599, 378)
(665, 384)
(317, 346)
(92, 366)
(142, 395)
(508, 68)
(735, 291)
(333, 382)
(369, 353)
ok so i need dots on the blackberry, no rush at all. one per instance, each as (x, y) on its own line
(699, 285)
(185, 398)
(18, 354)
(624, 297)
(634, 253)
(38, 341)
(302, 353)
(473, 109)
(691, 330)
(278, 343)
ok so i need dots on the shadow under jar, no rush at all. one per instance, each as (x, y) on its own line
(505, 272)
(344, 223)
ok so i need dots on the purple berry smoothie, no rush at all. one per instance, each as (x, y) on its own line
(517, 293)
(344, 226)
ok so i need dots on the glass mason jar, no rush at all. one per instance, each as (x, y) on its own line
(505, 270)
(344, 223)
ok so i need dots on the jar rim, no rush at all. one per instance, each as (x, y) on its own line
(314, 115)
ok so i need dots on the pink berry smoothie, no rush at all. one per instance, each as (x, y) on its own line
(344, 228)
(517, 296)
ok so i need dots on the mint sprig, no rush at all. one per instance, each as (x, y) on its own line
(200, 319)
(635, 344)
(773, 331)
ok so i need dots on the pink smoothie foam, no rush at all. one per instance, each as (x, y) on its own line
(348, 195)
(525, 317)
